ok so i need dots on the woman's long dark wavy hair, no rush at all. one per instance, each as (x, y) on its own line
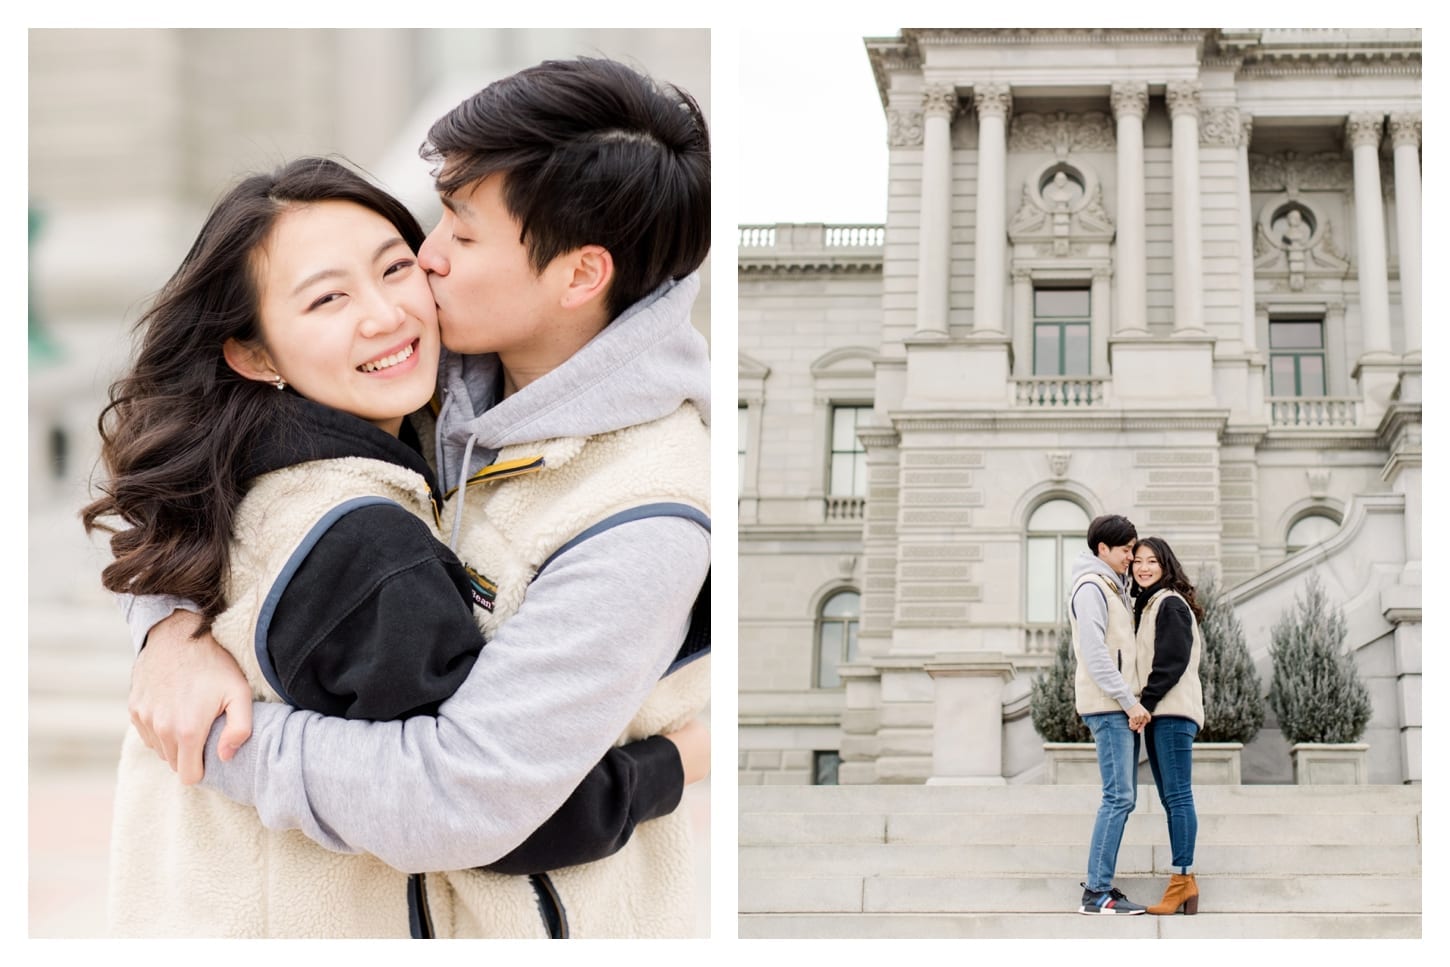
(1173, 576)
(179, 425)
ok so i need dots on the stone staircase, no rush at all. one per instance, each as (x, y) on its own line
(1005, 862)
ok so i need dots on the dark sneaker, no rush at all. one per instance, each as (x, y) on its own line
(1108, 902)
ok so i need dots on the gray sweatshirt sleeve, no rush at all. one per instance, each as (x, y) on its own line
(548, 696)
(145, 611)
(1091, 608)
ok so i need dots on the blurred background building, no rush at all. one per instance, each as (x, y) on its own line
(1173, 274)
(132, 135)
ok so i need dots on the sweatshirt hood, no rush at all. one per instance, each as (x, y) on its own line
(1089, 563)
(299, 431)
(643, 366)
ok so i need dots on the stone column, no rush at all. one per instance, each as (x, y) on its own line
(1183, 99)
(1374, 298)
(933, 268)
(1246, 237)
(994, 104)
(1130, 106)
(1405, 135)
(1102, 311)
(1022, 309)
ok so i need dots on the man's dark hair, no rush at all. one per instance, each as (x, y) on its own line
(592, 153)
(1114, 530)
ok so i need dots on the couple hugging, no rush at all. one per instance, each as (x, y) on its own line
(411, 528)
(1136, 640)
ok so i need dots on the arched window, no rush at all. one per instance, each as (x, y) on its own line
(1056, 531)
(836, 636)
(1309, 529)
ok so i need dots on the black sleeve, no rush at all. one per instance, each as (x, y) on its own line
(1172, 647)
(377, 622)
(633, 783)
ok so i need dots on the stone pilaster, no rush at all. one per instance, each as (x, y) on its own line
(993, 103)
(1183, 105)
(1246, 238)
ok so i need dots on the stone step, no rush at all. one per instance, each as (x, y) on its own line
(1070, 829)
(1031, 799)
(1017, 894)
(1065, 926)
(884, 859)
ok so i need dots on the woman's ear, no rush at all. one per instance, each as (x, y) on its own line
(249, 360)
(591, 270)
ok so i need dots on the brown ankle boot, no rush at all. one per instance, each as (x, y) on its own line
(1182, 892)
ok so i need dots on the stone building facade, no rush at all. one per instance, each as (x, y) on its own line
(1173, 274)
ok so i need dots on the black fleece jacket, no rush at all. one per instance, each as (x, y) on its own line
(1172, 644)
(377, 623)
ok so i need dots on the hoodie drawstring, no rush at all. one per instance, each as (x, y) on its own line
(461, 493)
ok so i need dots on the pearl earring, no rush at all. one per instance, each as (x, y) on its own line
(279, 382)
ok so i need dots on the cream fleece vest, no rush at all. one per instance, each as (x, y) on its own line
(1185, 699)
(511, 525)
(187, 862)
(1090, 699)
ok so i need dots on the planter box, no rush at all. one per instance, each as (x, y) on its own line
(1330, 764)
(1071, 764)
(1217, 763)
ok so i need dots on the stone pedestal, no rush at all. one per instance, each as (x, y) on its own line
(1071, 764)
(967, 731)
(949, 373)
(1218, 763)
(1330, 764)
(1174, 372)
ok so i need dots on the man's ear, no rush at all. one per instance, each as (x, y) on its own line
(249, 360)
(590, 273)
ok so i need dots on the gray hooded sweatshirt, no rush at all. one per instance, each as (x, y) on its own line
(554, 687)
(1091, 609)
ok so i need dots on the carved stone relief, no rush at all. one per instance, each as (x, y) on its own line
(1292, 242)
(1062, 133)
(1061, 204)
(904, 128)
(1057, 462)
(1288, 172)
(1219, 127)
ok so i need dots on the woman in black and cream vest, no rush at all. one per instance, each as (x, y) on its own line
(1169, 648)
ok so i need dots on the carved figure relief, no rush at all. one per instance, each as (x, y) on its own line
(1061, 203)
(1057, 461)
(1289, 173)
(1292, 241)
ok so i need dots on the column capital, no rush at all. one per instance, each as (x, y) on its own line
(1021, 274)
(1364, 129)
(1405, 129)
(939, 100)
(1129, 99)
(1183, 97)
(992, 100)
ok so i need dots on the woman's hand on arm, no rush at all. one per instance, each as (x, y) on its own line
(693, 743)
(179, 686)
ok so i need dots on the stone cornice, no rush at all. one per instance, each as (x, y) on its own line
(1028, 419)
(808, 265)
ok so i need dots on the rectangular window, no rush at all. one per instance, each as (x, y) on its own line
(848, 456)
(1296, 357)
(740, 434)
(1044, 580)
(826, 769)
(1061, 330)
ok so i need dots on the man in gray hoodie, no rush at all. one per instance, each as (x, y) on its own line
(1106, 688)
(576, 199)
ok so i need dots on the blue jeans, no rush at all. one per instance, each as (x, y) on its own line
(1170, 756)
(1118, 763)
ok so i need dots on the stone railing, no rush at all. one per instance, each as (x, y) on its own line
(812, 236)
(845, 508)
(1314, 412)
(1039, 639)
(1059, 392)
